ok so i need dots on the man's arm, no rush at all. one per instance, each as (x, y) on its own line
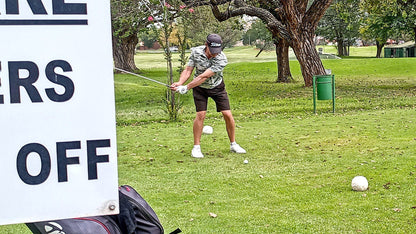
(183, 77)
(200, 79)
(194, 83)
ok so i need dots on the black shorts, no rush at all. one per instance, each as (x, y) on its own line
(218, 94)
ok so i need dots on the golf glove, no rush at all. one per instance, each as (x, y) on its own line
(182, 89)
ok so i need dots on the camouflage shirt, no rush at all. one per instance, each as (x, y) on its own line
(201, 63)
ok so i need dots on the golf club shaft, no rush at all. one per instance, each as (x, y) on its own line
(134, 74)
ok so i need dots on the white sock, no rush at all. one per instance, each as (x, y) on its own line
(233, 143)
(197, 146)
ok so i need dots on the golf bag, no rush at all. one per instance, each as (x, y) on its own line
(89, 225)
(135, 217)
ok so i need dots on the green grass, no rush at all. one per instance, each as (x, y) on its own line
(154, 59)
(363, 51)
(297, 179)
(300, 164)
(252, 89)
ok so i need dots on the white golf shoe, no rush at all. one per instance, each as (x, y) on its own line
(236, 148)
(196, 152)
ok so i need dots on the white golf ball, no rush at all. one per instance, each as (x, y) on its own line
(359, 183)
(245, 161)
(207, 130)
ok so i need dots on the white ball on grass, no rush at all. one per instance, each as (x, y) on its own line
(207, 130)
(245, 161)
(359, 183)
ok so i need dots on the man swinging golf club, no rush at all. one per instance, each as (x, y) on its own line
(209, 61)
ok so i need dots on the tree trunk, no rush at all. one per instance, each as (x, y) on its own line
(283, 67)
(123, 52)
(348, 49)
(414, 29)
(308, 57)
(379, 49)
(340, 47)
(346, 53)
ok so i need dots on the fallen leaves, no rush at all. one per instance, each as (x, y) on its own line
(212, 215)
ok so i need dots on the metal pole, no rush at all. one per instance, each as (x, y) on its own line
(333, 93)
(134, 74)
(314, 95)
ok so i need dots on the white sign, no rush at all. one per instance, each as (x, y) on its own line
(58, 156)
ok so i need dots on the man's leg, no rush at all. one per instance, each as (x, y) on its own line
(201, 102)
(197, 129)
(229, 124)
(198, 126)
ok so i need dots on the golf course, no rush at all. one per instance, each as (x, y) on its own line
(297, 177)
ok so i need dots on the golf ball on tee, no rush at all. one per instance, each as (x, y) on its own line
(207, 130)
(359, 183)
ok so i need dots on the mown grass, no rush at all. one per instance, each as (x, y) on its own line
(355, 52)
(300, 164)
(297, 179)
(252, 88)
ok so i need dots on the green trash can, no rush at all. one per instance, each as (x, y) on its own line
(324, 89)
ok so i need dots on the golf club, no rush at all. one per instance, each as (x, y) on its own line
(134, 74)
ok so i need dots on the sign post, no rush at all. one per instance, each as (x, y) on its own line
(58, 155)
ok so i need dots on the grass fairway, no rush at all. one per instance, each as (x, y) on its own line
(298, 178)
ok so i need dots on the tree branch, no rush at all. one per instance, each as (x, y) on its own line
(242, 8)
(192, 3)
(316, 12)
(292, 16)
(301, 6)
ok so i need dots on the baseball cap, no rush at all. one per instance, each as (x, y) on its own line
(214, 43)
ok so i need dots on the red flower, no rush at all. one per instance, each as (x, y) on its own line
(191, 10)
(150, 18)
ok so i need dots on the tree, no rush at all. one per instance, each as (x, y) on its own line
(258, 31)
(128, 17)
(407, 9)
(292, 23)
(147, 38)
(389, 19)
(341, 23)
(163, 26)
(381, 21)
(204, 23)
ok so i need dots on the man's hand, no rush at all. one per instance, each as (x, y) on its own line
(174, 86)
(182, 89)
